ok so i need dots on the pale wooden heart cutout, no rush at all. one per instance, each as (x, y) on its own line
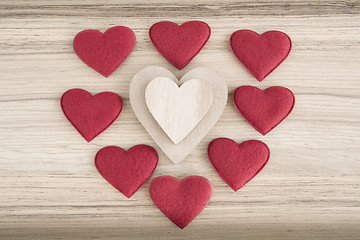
(178, 109)
(177, 152)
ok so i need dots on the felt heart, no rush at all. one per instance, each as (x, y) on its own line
(104, 52)
(260, 54)
(236, 163)
(264, 110)
(179, 44)
(90, 115)
(181, 201)
(177, 152)
(127, 170)
(178, 109)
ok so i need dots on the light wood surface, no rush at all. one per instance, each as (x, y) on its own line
(50, 189)
(177, 152)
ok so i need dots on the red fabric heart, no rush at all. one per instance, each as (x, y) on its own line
(90, 115)
(264, 110)
(260, 54)
(179, 44)
(181, 201)
(104, 52)
(128, 170)
(236, 163)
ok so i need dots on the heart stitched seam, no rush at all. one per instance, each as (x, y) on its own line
(264, 110)
(104, 52)
(179, 44)
(127, 171)
(260, 54)
(90, 115)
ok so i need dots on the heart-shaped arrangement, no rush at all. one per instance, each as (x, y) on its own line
(177, 114)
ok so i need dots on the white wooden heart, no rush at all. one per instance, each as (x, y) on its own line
(178, 109)
(177, 152)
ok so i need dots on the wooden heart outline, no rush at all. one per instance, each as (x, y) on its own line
(177, 152)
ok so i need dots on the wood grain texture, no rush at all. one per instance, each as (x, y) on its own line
(178, 109)
(49, 187)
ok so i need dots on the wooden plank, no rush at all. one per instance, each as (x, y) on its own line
(49, 187)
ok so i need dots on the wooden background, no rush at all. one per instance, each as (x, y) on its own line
(50, 189)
